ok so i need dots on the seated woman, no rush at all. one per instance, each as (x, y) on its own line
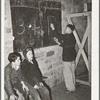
(13, 80)
(33, 76)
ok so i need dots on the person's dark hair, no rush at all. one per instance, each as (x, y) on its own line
(72, 27)
(26, 50)
(13, 56)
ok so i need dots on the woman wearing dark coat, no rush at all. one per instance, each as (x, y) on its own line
(33, 76)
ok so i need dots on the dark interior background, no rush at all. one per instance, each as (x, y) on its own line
(31, 23)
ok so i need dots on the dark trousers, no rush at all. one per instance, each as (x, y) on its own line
(39, 94)
(18, 86)
(44, 93)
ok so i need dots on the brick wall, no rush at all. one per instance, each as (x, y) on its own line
(8, 38)
(50, 63)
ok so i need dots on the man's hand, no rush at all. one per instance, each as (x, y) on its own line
(52, 26)
(13, 97)
(41, 84)
(56, 40)
(24, 86)
(36, 87)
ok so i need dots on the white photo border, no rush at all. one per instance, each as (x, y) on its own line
(95, 50)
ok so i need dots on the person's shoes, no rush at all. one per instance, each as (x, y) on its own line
(67, 91)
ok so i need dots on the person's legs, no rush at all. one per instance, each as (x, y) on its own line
(73, 71)
(19, 91)
(68, 76)
(44, 93)
(34, 93)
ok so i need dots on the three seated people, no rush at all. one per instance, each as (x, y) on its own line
(25, 77)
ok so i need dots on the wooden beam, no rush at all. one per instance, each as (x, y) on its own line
(81, 45)
(85, 59)
(79, 14)
(26, 6)
(74, 32)
(81, 50)
(81, 76)
(48, 19)
(83, 82)
(89, 47)
(34, 27)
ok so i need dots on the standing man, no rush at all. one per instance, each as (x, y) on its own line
(67, 41)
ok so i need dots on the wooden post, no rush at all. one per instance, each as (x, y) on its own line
(48, 19)
(89, 47)
(87, 34)
(34, 26)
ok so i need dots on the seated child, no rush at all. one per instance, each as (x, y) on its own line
(13, 80)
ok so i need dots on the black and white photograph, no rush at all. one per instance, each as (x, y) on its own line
(48, 50)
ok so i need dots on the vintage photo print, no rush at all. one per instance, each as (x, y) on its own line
(49, 50)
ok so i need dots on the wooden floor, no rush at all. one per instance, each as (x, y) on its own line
(82, 92)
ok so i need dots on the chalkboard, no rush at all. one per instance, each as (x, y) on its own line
(31, 25)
